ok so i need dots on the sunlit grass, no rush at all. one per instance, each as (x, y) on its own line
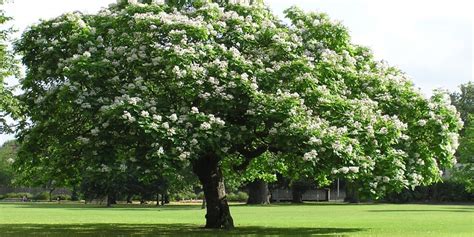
(272, 220)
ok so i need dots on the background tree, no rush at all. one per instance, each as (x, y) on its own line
(167, 89)
(7, 157)
(464, 102)
(465, 171)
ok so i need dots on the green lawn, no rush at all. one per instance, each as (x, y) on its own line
(274, 220)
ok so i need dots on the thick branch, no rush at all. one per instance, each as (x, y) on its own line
(249, 155)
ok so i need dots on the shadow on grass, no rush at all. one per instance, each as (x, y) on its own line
(427, 210)
(122, 230)
(120, 207)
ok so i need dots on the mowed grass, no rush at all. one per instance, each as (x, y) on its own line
(322, 219)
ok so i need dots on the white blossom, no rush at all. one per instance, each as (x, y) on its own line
(344, 170)
(315, 141)
(354, 169)
(173, 117)
(422, 122)
(145, 114)
(160, 151)
(157, 118)
(126, 115)
(205, 126)
(83, 139)
(312, 155)
(95, 131)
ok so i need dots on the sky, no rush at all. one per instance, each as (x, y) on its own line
(431, 40)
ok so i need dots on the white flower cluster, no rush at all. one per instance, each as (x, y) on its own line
(127, 116)
(104, 168)
(345, 170)
(311, 156)
(84, 140)
(315, 141)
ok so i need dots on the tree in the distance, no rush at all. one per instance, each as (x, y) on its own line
(464, 102)
(7, 156)
(172, 89)
(464, 173)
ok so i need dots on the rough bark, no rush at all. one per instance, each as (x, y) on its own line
(109, 203)
(352, 194)
(297, 191)
(111, 199)
(258, 192)
(129, 198)
(297, 196)
(209, 173)
(51, 190)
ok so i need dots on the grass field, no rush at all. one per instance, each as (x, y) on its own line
(274, 220)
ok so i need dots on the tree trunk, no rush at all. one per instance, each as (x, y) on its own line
(109, 203)
(297, 196)
(208, 171)
(258, 192)
(111, 199)
(74, 194)
(51, 194)
(352, 194)
(297, 191)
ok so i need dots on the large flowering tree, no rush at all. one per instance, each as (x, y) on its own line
(164, 88)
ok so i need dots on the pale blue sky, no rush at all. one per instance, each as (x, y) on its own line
(431, 40)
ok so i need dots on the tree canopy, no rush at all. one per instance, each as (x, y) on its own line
(166, 90)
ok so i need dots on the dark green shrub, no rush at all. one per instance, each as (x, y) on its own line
(41, 196)
(242, 196)
(184, 195)
(62, 197)
(18, 195)
(448, 191)
(237, 197)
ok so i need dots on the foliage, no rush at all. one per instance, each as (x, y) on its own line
(18, 195)
(238, 197)
(8, 68)
(63, 197)
(464, 172)
(7, 157)
(155, 90)
(464, 102)
(43, 196)
(183, 195)
(447, 191)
